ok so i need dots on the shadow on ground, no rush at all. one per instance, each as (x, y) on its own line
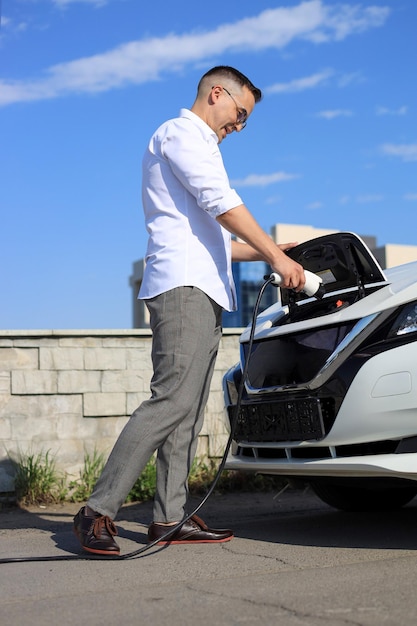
(295, 517)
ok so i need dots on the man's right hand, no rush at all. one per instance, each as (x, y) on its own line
(291, 272)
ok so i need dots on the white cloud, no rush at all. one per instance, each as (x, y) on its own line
(301, 84)
(263, 180)
(347, 79)
(273, 200)
(315, 80)
(344, 199)
(65, 3)
(406, 152)
(144, 60)
(385, 111)
(314, 205)
(332, 114)
(343, 20)
(370, 198)
(412, 197)
(11, 26)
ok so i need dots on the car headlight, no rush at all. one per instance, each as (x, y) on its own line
(406, 322)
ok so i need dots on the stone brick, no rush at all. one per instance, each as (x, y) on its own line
(29, 342)
(131, 341)
(133, 400)
(123, 380)
(139, 360)
(89, 429)
(18, 358)
(216, 400)
(105, 359)
(70, 427)
(216, 445)
(216, 381)
(202, 448)
(30, 407)
(34, 382)
(61, 358)
(81, 342)
(33, 429)
(4, 403)
(104, 404)
(4, 382)
(214, 422)
(226, 359)
(108, 428)
(5, 428)
(79, 381)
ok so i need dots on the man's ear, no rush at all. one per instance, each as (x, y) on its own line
(215, 92)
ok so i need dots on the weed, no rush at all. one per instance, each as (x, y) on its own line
(82, 488)
(145, 485)
(37, 480)
(201, 478)
(144, 488)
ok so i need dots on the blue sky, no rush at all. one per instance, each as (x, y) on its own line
(84, 83)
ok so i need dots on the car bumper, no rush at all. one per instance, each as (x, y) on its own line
(402, 466)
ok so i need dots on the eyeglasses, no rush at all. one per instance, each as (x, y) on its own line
(242, 114)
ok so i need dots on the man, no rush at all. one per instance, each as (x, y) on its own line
(190, 212)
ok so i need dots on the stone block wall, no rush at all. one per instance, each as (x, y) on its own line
(71, 392)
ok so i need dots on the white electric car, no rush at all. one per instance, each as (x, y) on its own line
(330, 391)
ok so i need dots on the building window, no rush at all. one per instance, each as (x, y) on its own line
(249, 278)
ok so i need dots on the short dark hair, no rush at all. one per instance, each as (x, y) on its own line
(233, 75)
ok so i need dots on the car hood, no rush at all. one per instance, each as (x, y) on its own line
(347, 267)
(342, 260)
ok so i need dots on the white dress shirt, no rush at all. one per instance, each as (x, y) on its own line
(184, 188)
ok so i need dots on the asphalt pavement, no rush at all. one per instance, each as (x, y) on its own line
(294, 561)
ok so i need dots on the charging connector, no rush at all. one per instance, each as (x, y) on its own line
(313, 286)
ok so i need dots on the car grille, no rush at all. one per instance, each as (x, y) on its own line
(301, 419)
(311, 452)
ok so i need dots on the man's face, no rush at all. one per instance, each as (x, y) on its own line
(233, 107)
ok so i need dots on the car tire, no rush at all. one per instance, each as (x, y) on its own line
(372, 495)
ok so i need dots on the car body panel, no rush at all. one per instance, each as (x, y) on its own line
(384, 465)
(354, 351)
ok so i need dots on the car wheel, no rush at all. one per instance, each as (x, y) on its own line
(361, 495)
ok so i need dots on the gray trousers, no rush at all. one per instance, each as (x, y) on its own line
(186, 327)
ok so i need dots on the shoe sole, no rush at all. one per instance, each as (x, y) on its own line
(92, 551)
(190, 541)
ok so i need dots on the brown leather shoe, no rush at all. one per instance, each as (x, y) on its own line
(95, 533)
(192, 531)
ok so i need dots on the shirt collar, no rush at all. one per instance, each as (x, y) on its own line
(199, 122)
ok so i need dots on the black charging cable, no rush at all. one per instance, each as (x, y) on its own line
(172, 529)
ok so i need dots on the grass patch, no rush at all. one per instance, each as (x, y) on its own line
(145, 486)
(82, 488)
(37, 480)
(201, 478)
